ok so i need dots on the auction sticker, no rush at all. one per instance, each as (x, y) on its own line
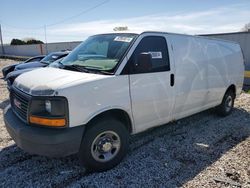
(156, 55)
(123, 39)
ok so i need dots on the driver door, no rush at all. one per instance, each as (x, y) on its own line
(152, 92)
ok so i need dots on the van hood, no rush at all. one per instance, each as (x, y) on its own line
(46, 81)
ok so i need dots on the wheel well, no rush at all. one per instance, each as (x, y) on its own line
(118, 114)
(232, 88)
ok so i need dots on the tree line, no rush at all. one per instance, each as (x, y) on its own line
(27, 41)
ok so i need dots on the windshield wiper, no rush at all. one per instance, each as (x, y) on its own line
(96, 69)
(77, 68)
(105, 72)
(87, 69)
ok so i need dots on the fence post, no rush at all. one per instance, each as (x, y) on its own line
(1, 40)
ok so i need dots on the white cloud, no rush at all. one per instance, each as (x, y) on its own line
(218, 20)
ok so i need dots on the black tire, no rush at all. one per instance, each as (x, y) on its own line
(100, 135)
(227, 104)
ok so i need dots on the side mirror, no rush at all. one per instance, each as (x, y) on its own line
(143, 63)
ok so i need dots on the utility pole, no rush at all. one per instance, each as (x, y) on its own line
(45, 35)
(1, 40)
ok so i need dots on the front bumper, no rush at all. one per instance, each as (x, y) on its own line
(41, 140)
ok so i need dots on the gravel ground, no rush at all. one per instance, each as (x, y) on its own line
(203, 150)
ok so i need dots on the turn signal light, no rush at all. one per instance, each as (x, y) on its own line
(59, 122)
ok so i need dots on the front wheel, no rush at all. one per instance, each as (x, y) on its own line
(226, 107)
(104, 144)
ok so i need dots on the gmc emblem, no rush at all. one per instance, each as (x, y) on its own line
(17, 103)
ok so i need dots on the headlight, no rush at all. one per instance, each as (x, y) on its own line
(49, 111)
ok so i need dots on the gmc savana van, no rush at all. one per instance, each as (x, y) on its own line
(113, 85)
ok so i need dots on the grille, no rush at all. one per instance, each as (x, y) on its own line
(19, 103)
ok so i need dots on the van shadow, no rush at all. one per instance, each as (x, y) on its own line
(167, 156)
(181, 150)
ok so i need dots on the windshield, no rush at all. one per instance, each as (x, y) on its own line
(50, 58)
(100, 52)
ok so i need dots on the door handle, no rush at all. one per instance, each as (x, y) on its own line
(172, 80)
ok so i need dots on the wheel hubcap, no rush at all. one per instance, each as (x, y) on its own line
(105, 146)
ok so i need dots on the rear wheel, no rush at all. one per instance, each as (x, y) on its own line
(226, 107)
(104, 144)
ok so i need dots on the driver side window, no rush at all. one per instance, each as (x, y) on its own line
(157, 47)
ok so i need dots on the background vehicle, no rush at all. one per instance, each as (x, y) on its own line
(6, 70)
(22, 68)
(113, 85)
(53, 56)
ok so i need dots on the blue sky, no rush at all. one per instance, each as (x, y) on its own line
(76, 19)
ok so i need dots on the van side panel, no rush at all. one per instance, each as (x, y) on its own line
(205, 68)
(191, 85)
(225, 68)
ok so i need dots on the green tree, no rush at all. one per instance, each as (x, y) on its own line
(17, 42)
(33, 41)
(25, 41)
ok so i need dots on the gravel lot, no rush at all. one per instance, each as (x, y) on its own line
(199, 151)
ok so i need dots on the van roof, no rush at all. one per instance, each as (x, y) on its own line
(197, 36)
(170, 33)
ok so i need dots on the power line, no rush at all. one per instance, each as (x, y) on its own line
(59, 22)
(79, 14)
(55, 23)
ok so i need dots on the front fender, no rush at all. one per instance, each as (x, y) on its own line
(87, 100)
(110, 108)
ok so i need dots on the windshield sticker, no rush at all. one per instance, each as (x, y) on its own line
(123, 39)
(156, 55)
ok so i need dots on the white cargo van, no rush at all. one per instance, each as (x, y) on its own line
(113, 85)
